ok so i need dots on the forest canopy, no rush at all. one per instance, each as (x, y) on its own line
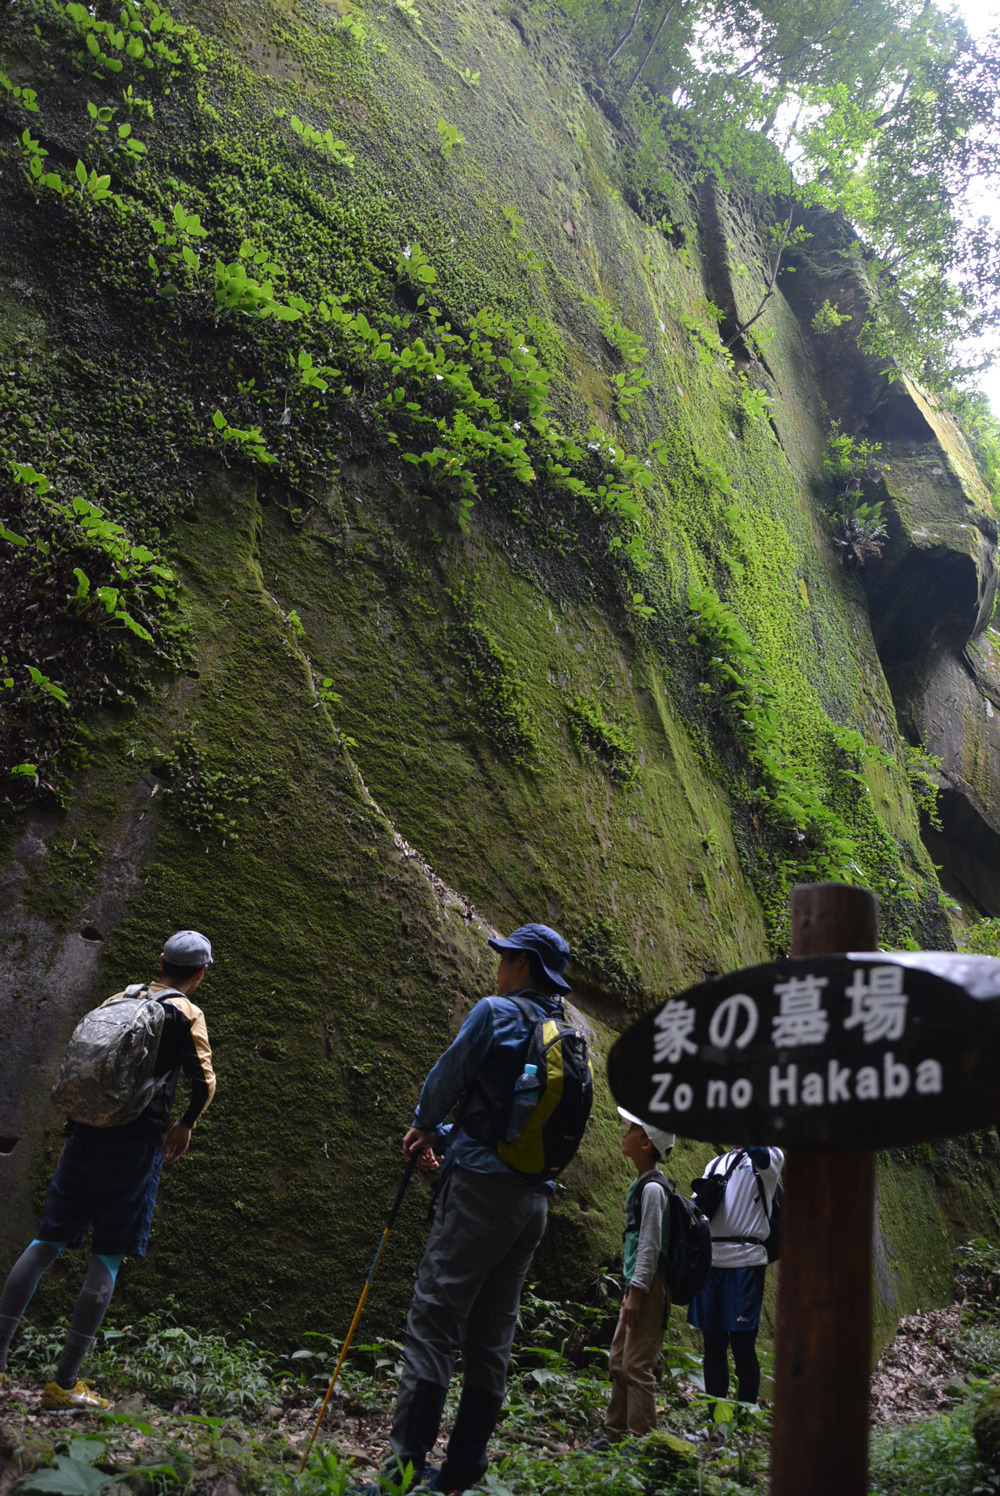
(886, 111)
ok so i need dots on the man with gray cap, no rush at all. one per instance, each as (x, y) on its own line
(107, 1176)
(487, 1225)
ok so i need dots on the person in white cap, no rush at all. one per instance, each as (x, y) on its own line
(107, 1176)
(638, 1337)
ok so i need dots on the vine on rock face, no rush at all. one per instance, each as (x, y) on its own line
(84, 613)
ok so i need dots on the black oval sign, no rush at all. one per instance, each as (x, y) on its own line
(857, 1051)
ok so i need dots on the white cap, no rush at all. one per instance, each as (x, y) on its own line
(661, 1141)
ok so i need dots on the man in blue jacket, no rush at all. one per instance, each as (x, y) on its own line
(488, 1223)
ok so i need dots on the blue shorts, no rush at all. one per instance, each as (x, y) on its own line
(106, 1182)
(730, 1301)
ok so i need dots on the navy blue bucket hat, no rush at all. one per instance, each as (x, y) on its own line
(548, 945)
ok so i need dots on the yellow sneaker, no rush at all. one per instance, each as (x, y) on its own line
(81, 1398)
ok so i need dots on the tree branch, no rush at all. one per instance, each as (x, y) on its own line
(628, 34)
(769, 283)
(656, 36)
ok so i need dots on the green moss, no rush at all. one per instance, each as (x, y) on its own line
(202, 798)
(600, 957)
(466, 549)
(610, 744)
(498, 704)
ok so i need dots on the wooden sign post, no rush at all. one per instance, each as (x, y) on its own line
(828, 1056)
(823, 1345)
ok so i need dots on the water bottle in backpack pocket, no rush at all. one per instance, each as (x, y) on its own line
(527, 1091)
(538, 1129)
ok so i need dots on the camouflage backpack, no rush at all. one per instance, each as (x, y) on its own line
(106, 1077)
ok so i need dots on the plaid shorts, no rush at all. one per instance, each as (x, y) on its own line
(106, 1182)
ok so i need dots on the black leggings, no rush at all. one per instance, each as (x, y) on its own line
(745, 1360)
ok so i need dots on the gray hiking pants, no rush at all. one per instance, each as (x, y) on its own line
(486, 1229)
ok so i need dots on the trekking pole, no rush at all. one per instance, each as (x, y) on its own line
(390, 1218)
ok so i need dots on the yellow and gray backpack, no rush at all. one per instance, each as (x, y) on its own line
(542, 1125)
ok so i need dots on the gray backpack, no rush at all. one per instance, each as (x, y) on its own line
(106, 1076)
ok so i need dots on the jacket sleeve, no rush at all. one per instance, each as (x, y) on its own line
(457, 1068)
(196, 1059)
(654, 1203)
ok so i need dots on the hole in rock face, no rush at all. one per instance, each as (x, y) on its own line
(89, 933)
(7, 1145)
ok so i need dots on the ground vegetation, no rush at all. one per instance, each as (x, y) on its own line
(197, 1411)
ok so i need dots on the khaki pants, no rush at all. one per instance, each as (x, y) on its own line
(631, 1362)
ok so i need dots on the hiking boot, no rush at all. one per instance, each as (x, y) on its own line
(79, 1399)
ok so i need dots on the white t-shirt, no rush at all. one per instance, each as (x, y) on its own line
(743, 1213)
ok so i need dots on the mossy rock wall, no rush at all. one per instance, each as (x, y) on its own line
(503, 593)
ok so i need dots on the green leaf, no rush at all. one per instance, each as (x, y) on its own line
(136, 628)
(69, 1478)
(81, 173)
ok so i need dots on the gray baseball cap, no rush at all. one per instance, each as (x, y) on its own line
(188, 948)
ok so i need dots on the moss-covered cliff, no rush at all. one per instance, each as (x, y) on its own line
(454, 574)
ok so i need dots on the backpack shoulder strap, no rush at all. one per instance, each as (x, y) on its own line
(166, 992)
(763, 1192)
(530, 1010)
(738, 1153)
(644, 1181)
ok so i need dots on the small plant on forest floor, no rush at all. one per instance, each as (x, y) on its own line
(977, 1275)
(982, 938)
(936, 1456)
(165, 1361)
